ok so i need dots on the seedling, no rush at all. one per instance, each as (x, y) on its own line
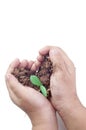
(36, 81)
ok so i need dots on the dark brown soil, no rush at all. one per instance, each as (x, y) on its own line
(44, 72)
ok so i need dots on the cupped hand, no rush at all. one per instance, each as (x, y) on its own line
(62, 81)
(28, 99)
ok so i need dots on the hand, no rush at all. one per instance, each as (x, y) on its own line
(63, 81)
(31, 101)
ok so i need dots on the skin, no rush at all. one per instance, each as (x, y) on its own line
(37, 107)
(63, 89)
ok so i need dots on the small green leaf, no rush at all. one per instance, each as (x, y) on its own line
(35, 80)
(43, 90)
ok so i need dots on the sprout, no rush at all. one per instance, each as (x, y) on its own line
(36, 81)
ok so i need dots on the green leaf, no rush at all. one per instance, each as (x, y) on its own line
(43, 90)
(35, 80)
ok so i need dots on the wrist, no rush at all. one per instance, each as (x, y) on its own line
(48, 126)
(69, 106)
(73, 115)
(43, 119)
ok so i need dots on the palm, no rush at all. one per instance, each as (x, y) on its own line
(35, 99)
(24, 97)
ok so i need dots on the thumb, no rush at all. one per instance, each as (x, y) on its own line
(56, 58)
(14, 85)
(27, 94)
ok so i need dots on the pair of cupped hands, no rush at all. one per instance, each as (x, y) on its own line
(41, 111)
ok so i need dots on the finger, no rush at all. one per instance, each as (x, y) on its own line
(45, 50)
(14, 64)
(30, 63)
(55, 56)
(22, 98)
(23, 63)
(40, 57)
(22, 93)
(18, 92)
(61, 60)
(13, 84)
(48, 49)
(58, 61)
(54, 53)
(66, 57)
(12, 94)
(26, 63)
(36, 65)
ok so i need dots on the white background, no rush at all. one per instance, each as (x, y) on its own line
(28, 25)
